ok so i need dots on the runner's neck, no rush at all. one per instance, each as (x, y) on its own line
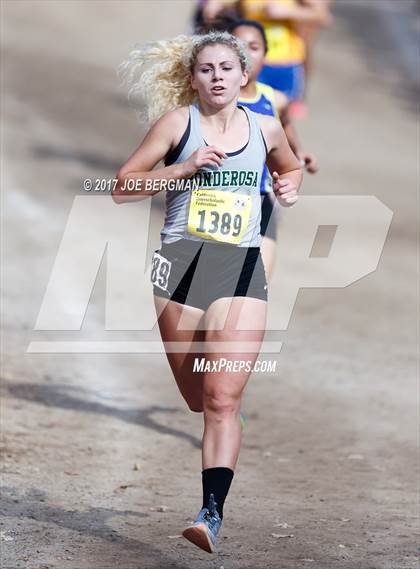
(220, 120)
(249, 91)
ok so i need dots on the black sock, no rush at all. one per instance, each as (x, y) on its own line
(216, 481)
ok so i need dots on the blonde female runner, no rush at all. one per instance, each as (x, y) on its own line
(208, 278)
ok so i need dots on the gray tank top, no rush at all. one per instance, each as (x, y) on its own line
(196, 208)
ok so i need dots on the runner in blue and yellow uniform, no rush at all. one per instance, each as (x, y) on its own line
(284, 65)
(265, 100)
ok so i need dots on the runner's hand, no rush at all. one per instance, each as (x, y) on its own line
(204, 156)
(285, 190)
(309, 162)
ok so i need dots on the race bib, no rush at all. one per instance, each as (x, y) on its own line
(161, 269)
(219, 216)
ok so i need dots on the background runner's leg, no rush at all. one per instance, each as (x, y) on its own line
(189, 382)
(268, 254)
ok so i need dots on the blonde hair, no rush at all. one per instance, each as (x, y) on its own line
(158, 74)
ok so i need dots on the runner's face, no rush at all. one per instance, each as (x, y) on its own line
(217, 75)
(255, 46)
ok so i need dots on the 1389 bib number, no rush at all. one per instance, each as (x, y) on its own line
(225, 224)
(218, 215)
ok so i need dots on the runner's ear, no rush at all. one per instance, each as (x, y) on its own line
(245, 78)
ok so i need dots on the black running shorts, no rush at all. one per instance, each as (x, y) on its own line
(197, 273)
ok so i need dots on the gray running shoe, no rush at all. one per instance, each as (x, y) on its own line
(204, 530)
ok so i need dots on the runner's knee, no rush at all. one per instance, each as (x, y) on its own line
(221, 404)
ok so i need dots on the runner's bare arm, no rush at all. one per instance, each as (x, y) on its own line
(161, 138)
(305, 13)
(282, 163)
(155, 146)
(280, 157)
(282, 107)
(212, 9)
(281, 100)
(308, 160)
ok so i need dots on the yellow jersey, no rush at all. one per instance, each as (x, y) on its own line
(285, 46)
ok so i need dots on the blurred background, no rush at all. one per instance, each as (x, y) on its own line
(329, 457)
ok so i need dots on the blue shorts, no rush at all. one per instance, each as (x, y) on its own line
(289, 79)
